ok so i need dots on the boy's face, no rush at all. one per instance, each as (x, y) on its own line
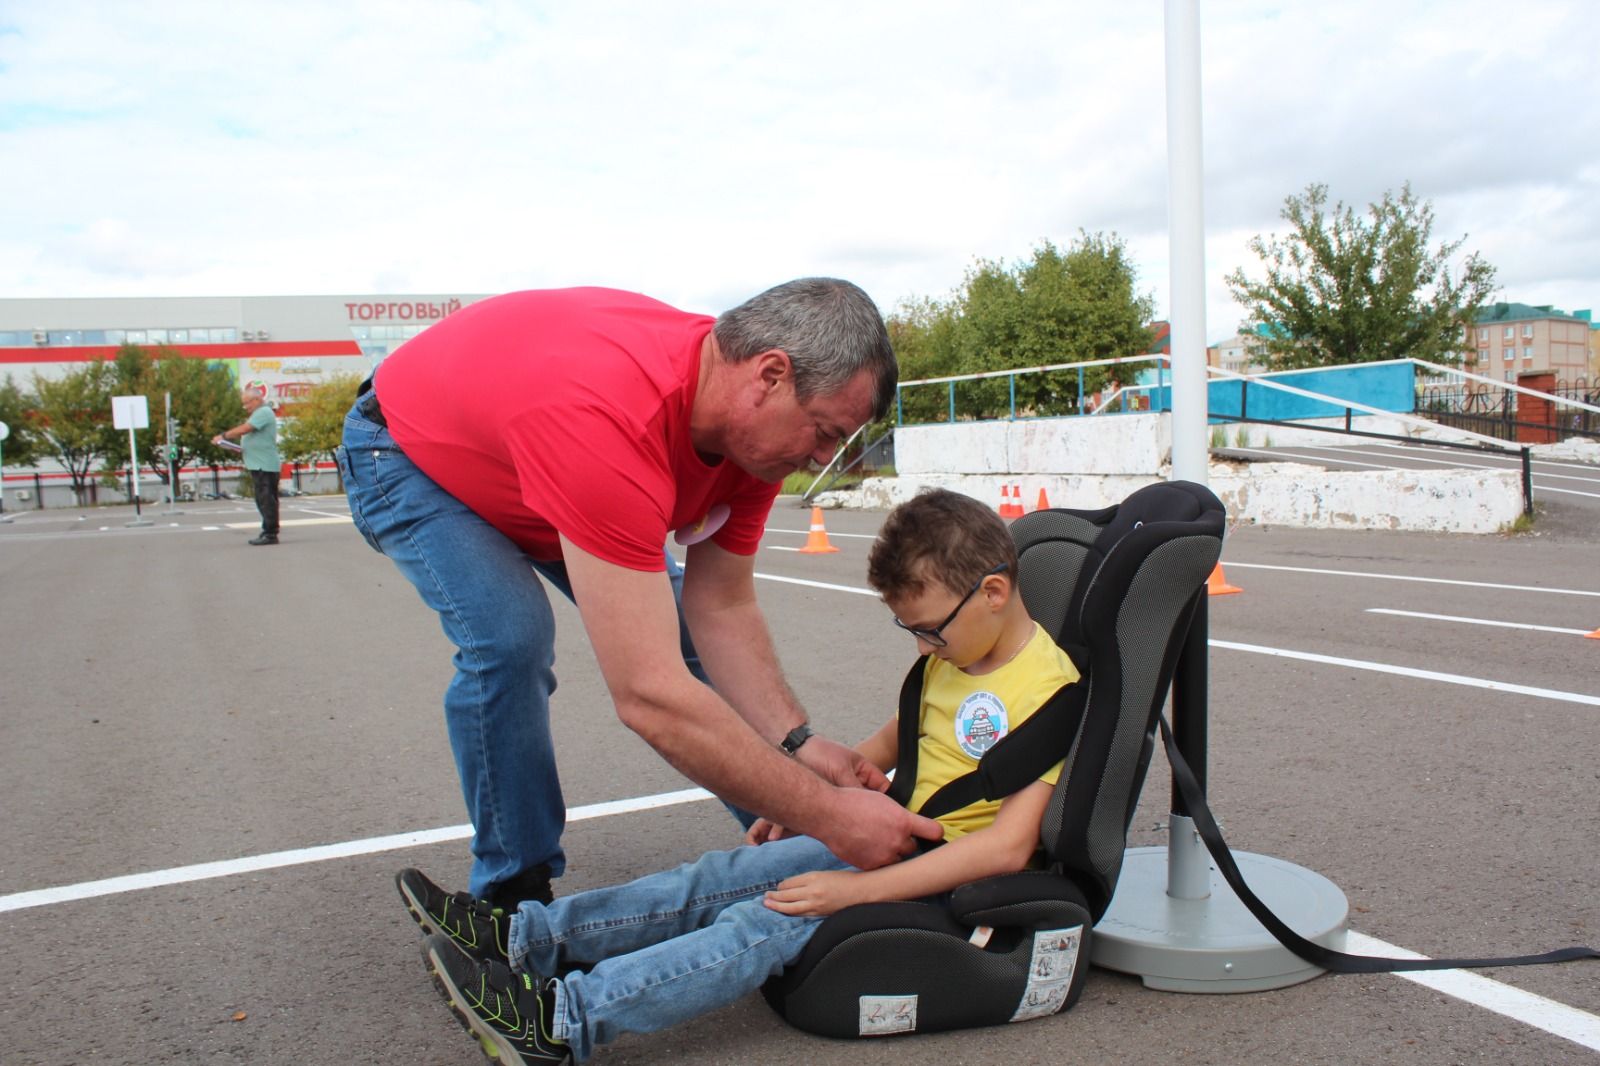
(968, 624)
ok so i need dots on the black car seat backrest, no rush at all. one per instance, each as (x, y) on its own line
(1118, 586)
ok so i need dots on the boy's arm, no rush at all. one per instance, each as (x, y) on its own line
(1004, 846)
(882, 749)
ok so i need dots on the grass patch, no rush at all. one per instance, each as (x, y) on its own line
(1523, 523)
(799, 481)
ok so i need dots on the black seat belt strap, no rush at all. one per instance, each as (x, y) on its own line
(1314, 953)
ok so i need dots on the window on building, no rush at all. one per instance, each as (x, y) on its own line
(1508, 354)
(135, 336)
(179, 336)
(157, 336)
(65, 337)
(9, 340)
(116, 336)
(1527, 353)
(1483, 335)
(1527, 329)
(1509, 375)
(1510, 333)
(94, 336)
(225, 335)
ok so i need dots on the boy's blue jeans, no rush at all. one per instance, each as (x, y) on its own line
(668, 947)
(495, 611)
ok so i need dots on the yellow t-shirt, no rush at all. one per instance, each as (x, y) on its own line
(963, 716)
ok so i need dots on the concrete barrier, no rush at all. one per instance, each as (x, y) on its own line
(1093, 462)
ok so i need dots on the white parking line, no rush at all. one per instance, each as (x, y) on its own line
(1411, 671)
(1555, 1018)
(1408, 577)
(831, 533)
(338, 519)
(1476, 621)
(372, 845)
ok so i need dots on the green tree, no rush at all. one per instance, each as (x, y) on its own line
(22, 447)
(318, 422)
(1348, 288)
(204, 402)
(1060, 306)
(73, 420)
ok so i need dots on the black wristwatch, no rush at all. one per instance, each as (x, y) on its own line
(794, 738)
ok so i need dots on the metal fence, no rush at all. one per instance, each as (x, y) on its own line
(1495, 412)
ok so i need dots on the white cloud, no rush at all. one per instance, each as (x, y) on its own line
(699, 153)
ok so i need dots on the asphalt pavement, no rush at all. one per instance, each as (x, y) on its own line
(213, 757)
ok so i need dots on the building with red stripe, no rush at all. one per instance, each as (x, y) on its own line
(287, 342)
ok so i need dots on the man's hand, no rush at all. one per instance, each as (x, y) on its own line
(763, 830)
(868, 829)
(815, 894)
(840, 765)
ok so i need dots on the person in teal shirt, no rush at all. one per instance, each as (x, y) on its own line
(258, 438)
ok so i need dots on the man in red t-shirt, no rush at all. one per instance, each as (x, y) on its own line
(569, 433)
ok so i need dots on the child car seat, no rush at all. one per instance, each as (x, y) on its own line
(1116, 588)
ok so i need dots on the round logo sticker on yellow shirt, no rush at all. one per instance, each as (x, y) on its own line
(980, 722)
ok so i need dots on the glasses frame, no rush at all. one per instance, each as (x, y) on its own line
(935, 636)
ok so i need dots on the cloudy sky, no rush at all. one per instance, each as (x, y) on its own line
(701, 151)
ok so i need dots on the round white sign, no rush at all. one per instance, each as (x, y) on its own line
(5, 431)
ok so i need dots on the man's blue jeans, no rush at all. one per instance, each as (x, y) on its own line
(495, 611)
(668, 947)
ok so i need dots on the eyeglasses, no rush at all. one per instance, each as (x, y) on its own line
(935, 636)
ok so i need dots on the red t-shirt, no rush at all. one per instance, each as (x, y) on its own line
(567, 410)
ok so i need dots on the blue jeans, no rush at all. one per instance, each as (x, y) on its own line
(494, 609)
(668, 947)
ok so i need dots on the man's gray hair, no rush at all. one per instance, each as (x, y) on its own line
(829, 328)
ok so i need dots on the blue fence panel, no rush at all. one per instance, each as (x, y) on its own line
(1388, 387)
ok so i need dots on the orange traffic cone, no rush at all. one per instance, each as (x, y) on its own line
(1044, 502)
(1017, 510)
(1593, 636)
(817, 538)
(1005, 504)
(1217, 584)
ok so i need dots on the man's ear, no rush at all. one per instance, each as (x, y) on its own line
(772, 369)
(997, 589)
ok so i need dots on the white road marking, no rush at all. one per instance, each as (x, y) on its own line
(1476, 621)
(1408, 577)
(831, 533)
(1552, 1017)
(817, 584)
(332, 520)
(372, 845)
(1411, 671)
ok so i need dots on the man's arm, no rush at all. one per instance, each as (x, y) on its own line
(633, 624)
(730, 633)
(233, 432)
(1004, 846)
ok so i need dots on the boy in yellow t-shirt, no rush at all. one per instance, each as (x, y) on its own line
(673, 945)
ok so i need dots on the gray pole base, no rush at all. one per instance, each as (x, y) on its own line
(1214, 944)
(139, 522)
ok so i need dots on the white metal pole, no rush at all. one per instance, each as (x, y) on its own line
(1186, 223)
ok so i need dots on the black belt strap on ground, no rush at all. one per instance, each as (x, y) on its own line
(1316, 954)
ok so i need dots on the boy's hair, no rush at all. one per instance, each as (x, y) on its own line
(938, 537)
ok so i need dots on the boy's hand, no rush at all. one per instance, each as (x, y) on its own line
(816, 894)
(762, 830)
(842, 766)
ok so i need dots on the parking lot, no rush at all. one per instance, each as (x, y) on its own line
(214, 757)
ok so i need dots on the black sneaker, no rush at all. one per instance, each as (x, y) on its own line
(508, 1012)
(263, 538)
(478, 927)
